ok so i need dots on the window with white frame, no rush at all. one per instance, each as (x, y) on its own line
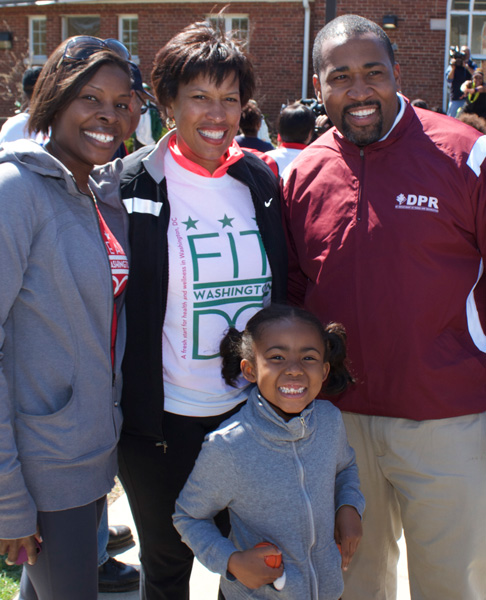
(468, 26)
(37, 40)
(128, 33)
(81, 25)
(238, 25)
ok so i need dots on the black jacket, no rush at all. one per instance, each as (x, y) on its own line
(146, 297)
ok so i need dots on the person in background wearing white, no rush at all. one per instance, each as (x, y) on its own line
(295, 127)
(16, 127)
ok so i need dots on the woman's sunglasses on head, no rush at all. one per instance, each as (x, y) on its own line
(82, 47)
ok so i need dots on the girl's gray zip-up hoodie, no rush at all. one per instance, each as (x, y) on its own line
(59, 393)
(282, 483)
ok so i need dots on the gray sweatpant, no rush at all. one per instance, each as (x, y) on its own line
(67, 567)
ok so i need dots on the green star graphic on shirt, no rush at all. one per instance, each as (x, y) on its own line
(226, 221)
(190, 223)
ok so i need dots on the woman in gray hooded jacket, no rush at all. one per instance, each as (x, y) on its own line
(64, 266)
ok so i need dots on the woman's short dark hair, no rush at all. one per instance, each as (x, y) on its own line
(251, 118)
(200, 50)
(61, 80)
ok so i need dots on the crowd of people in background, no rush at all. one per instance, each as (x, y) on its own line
(225, 279)
(297, 125)
(467, 92)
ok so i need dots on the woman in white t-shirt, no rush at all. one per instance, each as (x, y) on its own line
(208, 252)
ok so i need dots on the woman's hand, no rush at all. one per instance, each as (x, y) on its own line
(347, 533)
(250, 569)
(12, 548)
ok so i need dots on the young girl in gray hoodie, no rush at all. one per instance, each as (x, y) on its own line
(282, 466)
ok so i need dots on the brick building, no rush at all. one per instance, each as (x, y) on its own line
(279, 34)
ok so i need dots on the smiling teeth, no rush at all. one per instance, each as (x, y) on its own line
(362, 113)
(287, 390)
(101, 137)
(214, 135)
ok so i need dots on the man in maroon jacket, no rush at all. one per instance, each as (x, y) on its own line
(386, 220)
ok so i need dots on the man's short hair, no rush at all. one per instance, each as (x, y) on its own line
(420, 103)
(29, 80)
(295, 123)
(348, 26)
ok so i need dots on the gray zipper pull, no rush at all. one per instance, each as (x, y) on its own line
(163, 444)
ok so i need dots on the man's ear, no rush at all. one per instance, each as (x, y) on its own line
(248, 370)
(317, 87)
(397, 75)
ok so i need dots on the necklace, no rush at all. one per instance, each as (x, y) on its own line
(473, 96)
(93, 195)
(95, 202)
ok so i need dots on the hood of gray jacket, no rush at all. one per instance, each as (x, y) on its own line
(32, 156)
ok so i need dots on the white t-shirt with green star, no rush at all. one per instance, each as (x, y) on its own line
(219, 277)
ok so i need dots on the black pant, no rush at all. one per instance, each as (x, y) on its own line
(153, 480)
(67, 567)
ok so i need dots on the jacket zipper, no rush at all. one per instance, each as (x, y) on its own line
(360, 183)
(165, 278)
(164, 445)
(311, 518)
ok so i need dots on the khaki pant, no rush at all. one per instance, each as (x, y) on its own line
(428, 477)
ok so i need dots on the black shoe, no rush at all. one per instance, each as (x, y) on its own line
(119, 537)
(115, 576)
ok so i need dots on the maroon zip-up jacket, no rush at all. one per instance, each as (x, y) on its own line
(389, 239)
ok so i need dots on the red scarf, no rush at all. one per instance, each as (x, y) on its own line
(232, 155)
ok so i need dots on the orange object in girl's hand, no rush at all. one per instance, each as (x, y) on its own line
(272, 560)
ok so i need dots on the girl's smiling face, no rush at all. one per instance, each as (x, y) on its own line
(288, 365)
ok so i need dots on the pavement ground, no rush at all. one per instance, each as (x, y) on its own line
(204, 584)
